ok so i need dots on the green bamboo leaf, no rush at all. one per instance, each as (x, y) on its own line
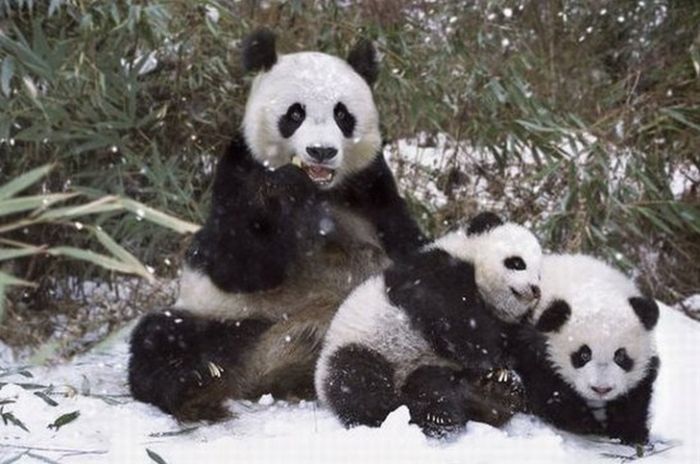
(64, 420)
(533, 126)
(47, 399)
(18, 205)
(120, 252)
(102, 205)
(26, 56)
(6, 72)
(24, 181)
(8, 279)
(680, 117)
(158, 217)
(98, 259)
(9, 417)
(155, 457)
(14, 253)
(651, 215)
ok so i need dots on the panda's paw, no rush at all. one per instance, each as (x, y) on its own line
(441, 423)
(502, 380)
(199, 392)
(496, 397)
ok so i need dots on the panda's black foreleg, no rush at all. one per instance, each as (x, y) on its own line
(628, 416)
(436, 397)
(360, 386)
(185, 364)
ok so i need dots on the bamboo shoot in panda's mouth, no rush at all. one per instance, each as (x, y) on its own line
(318, 174)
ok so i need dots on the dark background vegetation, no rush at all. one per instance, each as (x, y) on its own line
(578, 114)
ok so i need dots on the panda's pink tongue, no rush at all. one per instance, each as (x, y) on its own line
(319, 173)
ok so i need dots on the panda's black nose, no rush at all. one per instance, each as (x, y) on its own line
(321, 154)
(536, 293)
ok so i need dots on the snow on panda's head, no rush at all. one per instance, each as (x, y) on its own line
(310, 108)
(599, 329)
(506, 259)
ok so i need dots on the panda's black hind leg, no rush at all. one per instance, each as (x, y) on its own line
(185, 364)
(360, 386)
(435, 396)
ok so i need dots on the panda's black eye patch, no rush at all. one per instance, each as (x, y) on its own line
(623, 360)
(580, 357)
(344, 119)
(291, 120)
(515, 263)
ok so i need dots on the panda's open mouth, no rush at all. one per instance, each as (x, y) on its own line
(319, 174)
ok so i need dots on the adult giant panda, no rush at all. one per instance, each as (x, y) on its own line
(589, 363)
(427, 331)
(304, 208)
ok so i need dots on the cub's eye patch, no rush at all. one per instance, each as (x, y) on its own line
(515, 263)
(344, 120)
(291, 120)
(623, 360)
(581, 357)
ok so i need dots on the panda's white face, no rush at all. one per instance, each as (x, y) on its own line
(600, 355)
(507, 261)
(312, 109)
(600, 346)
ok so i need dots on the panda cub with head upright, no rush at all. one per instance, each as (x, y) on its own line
(589, 362)
(430, 328)
(304, 208)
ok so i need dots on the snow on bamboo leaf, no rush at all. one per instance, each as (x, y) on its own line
(64, 419)
(155, 457)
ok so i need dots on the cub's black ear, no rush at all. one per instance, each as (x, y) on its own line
(483, 222)
(554, 317)
(363, 59)
(647, 311)
(259, 52)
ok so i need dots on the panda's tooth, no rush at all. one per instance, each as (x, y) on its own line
(296, 161)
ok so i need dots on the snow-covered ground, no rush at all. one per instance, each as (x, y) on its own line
(111, 427)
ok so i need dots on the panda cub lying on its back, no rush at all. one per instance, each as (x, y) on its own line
(589, 363)
(425, 331)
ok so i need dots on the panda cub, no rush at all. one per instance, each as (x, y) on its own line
(304, 208)
(426, 331)
(588, 363)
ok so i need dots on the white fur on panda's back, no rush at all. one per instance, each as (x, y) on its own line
(369, 319)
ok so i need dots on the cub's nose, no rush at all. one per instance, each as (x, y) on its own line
(602, 391)
(321, 154)
(536, 293)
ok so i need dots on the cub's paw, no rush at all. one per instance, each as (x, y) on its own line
(439, 421)
(495, 397)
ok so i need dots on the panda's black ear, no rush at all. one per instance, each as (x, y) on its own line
(483, 222)
(363, 59)
(647, 310)
(259, 52)
(554, 317)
